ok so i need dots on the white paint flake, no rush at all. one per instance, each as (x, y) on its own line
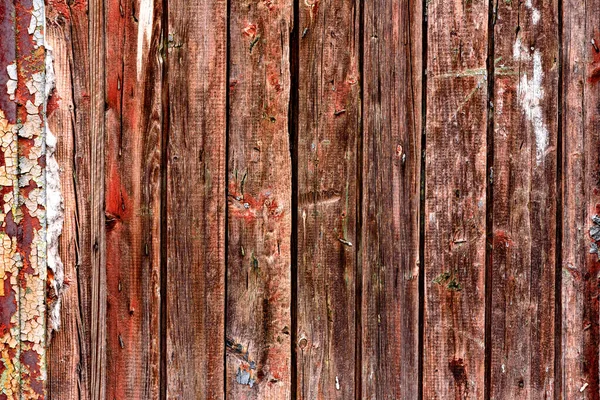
(54, 204)
(337, 383)
(144, 31)
(531, 93)
(535, 13)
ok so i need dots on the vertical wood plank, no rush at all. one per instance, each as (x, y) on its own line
(196, 199)
(455, 200)
(524, 209)
(133, 193)
(96, 90)
(259, 203)
(65, 352)
(328, 134)
(84, 299)
(9, 270)
(581, 200)
(391, 199)
(28, 218)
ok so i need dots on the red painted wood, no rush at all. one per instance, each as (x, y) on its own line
(133, 198)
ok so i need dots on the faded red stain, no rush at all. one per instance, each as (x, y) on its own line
(31, 359)
(9, 305)
(250, 30)
(594, 75)
(501, 238)
(53, 103)
(7, 56)
(251, 207)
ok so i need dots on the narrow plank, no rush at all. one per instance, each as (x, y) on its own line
(29, 218)
(524, 209)
(64, 352)
(258, 363)
(133, 198)
(83, 300)
(391, 198)
(9, 270)
(455, 200)
(581, 200)
(328, 134)
(95, 157)
(196, 199)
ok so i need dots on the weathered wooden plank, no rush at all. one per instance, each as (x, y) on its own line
(328, 134)
(133, 197)
(70, 354)
(581, 200)
(258, 362)
(96, 159)
(9, 289)
(196, 199)
(64, 354)
(391, 197)
(455, 200)
(524, 199)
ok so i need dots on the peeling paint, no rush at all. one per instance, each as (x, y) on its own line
(531, 93)
(144, 31)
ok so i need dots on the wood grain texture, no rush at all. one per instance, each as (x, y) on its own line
(455, 200)
(391, 197)
(96, 137)
(328, 134)
(83, 325)
(524, 197)
(65, 351)
(581, 200)
(258, 362)
(133, 197)
(196, 199)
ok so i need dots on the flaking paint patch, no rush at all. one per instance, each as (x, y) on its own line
(531, 93)
(54, 208)
(144, 31)
(535, 13)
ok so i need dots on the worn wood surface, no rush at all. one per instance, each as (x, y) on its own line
(391, 199)
(327, 195)
(244, 215)
(524, 191)
(455, 200)
(195, 185)
(133, 197)
(580, 263)
(258, 333)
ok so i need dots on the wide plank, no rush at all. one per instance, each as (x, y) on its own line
(258, 332)
(455, 200)
(391, 174)
(195, 208)
(133, 197)
(524, 199)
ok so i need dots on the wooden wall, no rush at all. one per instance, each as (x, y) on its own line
(327, 199)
